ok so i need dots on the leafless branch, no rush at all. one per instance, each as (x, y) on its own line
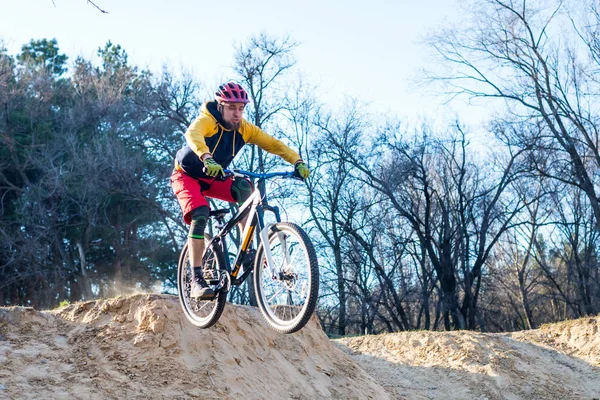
(89, 1)
(101, 10)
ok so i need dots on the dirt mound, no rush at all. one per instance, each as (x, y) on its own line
(142, 347)
(578, 338)
(469, 365)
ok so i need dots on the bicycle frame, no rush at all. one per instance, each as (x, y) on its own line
(285, 292)
(255, 206)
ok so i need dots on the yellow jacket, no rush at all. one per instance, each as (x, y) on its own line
(207, 134)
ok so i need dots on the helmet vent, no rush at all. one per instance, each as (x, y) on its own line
(232, 92)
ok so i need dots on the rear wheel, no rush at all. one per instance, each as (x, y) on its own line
(288, 299)
(203, 313)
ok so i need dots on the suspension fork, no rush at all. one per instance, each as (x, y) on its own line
(264, 237)
(280, 235)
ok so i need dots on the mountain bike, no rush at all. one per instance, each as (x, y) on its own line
(286, 272)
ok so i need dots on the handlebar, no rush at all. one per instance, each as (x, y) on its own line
(240, 173)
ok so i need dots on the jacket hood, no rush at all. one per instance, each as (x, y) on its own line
(210, 109)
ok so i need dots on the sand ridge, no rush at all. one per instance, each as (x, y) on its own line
(142, 347)
(554, 362)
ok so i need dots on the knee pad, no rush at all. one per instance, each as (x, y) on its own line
(199, 218)
(241, 189)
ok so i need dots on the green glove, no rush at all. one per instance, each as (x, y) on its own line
(302, 170)
(213, 168)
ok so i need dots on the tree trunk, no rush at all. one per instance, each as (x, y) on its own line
(341, 291)
(450, 306)
(86, 286)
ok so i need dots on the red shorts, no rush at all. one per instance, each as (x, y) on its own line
(191, 192)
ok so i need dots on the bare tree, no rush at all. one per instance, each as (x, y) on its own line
(515, 270)
(514, 51)
(261, 63)
(576, 247)
(332, 194)
(456, 211)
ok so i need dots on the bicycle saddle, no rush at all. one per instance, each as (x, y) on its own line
(219, 213)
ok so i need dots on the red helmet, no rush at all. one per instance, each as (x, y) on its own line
(231, 92)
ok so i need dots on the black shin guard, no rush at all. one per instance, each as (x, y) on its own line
(199, 217)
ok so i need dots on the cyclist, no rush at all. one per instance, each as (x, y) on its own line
(213, 140)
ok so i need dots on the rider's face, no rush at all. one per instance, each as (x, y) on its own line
(232, 114)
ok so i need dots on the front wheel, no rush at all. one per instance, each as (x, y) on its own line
(287, 296)
(203, 313)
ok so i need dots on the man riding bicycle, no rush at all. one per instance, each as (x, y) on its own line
(213, 140)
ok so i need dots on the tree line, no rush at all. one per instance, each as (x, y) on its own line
(416, 226)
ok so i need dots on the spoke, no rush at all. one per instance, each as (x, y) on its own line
(295, 257)
(276, 293)
(299, 251)
(272, 288)
(274, 257)
(290, 258)
(286, 250)
(267, 282)
(206, 303)
(299, 294)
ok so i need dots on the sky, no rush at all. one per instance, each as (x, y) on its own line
(371, 50)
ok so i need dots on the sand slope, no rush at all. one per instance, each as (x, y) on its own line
(141, 347)
(559, 361)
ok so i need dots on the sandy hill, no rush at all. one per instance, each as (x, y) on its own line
(142, 347)
(557, 361)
